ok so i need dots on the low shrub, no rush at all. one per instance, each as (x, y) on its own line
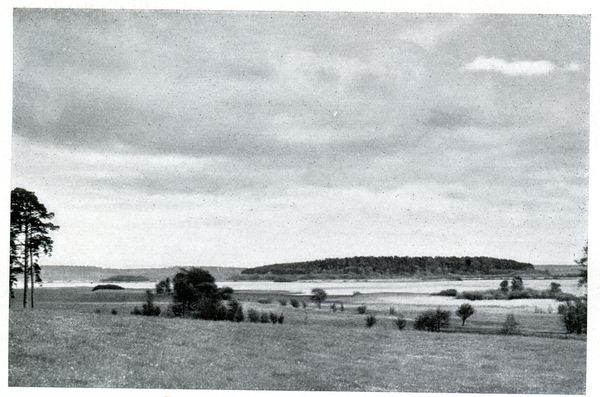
(333, 307)
(283, 302)
(392, 310)
(294, 302)
(97, 311)
(447, 292)
(432, 320)
(510, 325)
(148, 309)
(303, 305)
(371, 320)
(253, 316)
(113, 311)
(362, 309)
(106, 286)
(264, 317)
(400, 322)
(280, 319)
(274, 317)
(264, 301)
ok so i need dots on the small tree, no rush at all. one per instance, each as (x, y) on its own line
(504, 286)
(555, 288)
(464, 312)
(318, 296)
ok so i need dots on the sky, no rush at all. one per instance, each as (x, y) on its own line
(238, 138)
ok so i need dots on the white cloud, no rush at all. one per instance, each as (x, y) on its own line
(515, 68)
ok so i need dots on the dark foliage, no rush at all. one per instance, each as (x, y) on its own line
(394, 266)
(195, 294)
(362, 309)
(148, 309)
(106, 286)
(465, 311)
(318, 296)
(447, 292)
(400, 322)
(574, 315)
(371, 320)
(253, 316)
(432, 320)
(294, 302)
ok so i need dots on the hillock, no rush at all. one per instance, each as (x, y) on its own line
(394, 266)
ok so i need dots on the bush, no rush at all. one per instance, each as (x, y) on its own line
(371, 320)
(342, 307)
(280, 319)
(432, 320)
(264, 301)
(195, 294)
(148, 309)
(106, 286)
(264, 317)
(274, 317)
(333, 307)
(400, 322)
(510, 325)
(362, 309)
(283, 302)
(253, 316)
(447, 292)
(113, 311)
(235, 311)
(574, 315)
(294, 303)
(516, 283)
(303, 305)
(392, 310)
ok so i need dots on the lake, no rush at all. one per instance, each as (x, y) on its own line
(349, 287)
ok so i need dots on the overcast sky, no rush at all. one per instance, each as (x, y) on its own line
(165, 138)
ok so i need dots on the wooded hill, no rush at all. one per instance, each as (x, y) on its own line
(394, 266)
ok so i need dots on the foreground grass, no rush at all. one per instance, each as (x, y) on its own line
(70, 348)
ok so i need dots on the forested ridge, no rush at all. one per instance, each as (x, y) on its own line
(395, 266)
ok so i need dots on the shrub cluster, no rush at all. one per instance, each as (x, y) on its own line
(447, 292)
(432, 320)
(517, 291)
(362, 309)
(264, 301)
(254, 316)
(574, 315)
(294, 302)
(148, 309)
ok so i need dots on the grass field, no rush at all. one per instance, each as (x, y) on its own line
(71, 339)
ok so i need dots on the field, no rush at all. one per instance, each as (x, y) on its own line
(71, 339)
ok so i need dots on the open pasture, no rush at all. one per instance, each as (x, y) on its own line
(71, 339)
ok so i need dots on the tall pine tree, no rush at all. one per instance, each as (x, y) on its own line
(29, 237)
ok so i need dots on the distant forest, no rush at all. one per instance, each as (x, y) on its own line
(394, 266)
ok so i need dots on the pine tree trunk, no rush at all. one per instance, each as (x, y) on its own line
(25, 267)
(32, 277)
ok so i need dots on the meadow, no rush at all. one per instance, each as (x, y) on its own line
(72, 339)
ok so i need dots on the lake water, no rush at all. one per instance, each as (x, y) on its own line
(349, 287)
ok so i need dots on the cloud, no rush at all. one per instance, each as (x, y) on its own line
(518, 67)
(511, 68)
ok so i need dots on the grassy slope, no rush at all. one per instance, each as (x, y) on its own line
(65, 343)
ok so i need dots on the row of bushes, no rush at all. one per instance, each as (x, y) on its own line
(527, 293)
(255, 316)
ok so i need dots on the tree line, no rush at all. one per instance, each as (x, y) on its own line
(395, 266)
